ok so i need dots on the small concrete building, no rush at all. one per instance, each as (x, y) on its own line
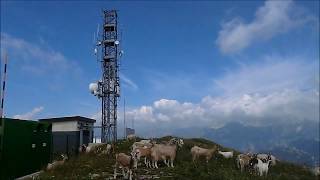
(130, 131)
(68, 133)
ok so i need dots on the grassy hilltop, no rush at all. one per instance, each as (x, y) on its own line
(93, 166)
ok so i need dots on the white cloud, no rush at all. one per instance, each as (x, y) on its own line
(273, 18)
(128, 82)
(287, 106)
(29, 115)
(281, 90)
(35, 58)
(272, 73)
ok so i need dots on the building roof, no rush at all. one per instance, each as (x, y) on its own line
(70, 118)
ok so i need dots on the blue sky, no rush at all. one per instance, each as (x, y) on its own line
(188, 55)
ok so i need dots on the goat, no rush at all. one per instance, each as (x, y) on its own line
(144, 152)
(243, 161)
(142, 143)
(316, 171)
(55, 163)
(107, 149)
(259, 166)
(264, 158)
(131, 137)
(162, 151)
(95, 147)
(226, 154)
(125, 162)
(197, 151)
(82, 148)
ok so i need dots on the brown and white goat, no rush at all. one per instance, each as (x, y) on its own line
(144, 152)
(125, 162)
(243, 161)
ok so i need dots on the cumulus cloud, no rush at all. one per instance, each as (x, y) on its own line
(29, 115)
(273, 18)
(278, 91)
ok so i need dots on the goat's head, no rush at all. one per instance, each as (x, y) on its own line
(253, 161)
(64, 157)
(135, 155)
(180, 142)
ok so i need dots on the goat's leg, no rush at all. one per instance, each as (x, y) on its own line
(123, 173)
(193, 157)
(172, 163)
(149, 162)
(153, 164)
(115, 173)
(168, 163)
(130, 174)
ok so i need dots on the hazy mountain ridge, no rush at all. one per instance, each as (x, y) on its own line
(295, 143)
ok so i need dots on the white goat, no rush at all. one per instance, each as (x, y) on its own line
(197, 152)
(226, 154)
(95, 147)
(259, 166)
(264, 157)
(164, 152)
(124, 161)
(316, 171)
(55, 163)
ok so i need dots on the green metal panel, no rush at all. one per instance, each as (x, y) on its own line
(25, 147)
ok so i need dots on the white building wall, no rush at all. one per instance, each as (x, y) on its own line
(65, 126)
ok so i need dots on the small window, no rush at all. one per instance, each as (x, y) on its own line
(33, 146)
(44, 144)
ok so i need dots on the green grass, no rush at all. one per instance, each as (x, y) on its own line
(84, 166)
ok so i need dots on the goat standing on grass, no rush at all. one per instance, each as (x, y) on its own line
(243, 161)
(55, 163)
(143, 152)
(264, 157)
(259, 166)
(197, 152)
(124, 161)
(226, 155)
(164, 152)
(82, 148)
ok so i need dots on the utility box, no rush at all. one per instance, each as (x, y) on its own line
(68, 133)
(25, 147)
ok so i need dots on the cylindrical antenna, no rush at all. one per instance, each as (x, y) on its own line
(4, 83)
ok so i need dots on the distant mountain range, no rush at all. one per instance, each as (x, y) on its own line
(297, 143)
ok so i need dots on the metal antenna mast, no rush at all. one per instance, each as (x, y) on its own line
(110, 76)
(108, 88)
